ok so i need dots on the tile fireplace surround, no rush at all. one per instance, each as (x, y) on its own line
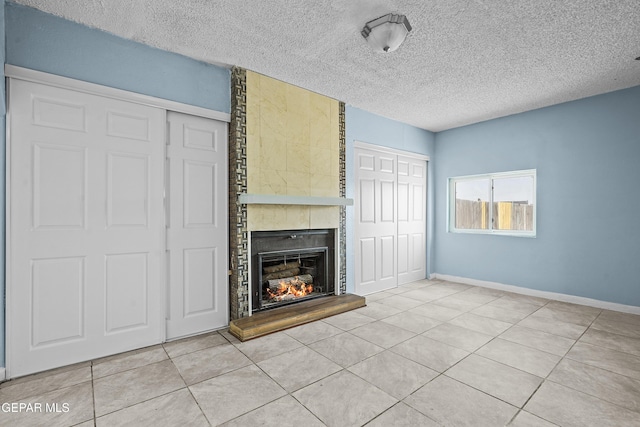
(287, 157)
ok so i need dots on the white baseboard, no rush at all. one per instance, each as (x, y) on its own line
(541, 294)
(3, 373)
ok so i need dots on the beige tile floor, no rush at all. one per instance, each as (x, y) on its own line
(426, 354)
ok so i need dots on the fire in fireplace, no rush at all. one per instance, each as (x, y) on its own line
(289, 266)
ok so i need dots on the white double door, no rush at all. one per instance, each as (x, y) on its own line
(87, 250)
(390, 219)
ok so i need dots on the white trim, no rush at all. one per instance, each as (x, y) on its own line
(2, 374)
(632, 309)
(21, 73)
(367, 146)
(272, 199)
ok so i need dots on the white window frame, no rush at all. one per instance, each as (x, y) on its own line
(451, 203)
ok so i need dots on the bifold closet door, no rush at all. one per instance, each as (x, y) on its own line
(86, 227)
(375, 221)
(412, 224)
(197, 225)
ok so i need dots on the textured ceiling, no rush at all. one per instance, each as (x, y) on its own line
(465, 60)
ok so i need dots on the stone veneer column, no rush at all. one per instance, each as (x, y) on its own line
(342, 274)
(238, 235)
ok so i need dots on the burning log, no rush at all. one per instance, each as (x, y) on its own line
(281, 267)
(277, 283)
(281, 274)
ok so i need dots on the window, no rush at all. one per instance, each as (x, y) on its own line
(499, 203)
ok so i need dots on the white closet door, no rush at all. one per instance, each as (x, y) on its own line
(412, 224)
(376, 225)
(85, 227)
(197, 226)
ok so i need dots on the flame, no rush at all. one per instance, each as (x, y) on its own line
(289, 290)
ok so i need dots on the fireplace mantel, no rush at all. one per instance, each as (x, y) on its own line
(271, 199)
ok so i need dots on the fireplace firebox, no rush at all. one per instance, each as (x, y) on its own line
(290, 266)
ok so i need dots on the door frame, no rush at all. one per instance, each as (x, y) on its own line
(394, 151)
(13, 72)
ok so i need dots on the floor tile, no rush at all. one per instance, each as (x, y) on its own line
(574, 308)
(430, 353)
(527, 359)
(455, 303)
(485, 291)
(614, 388)
(412, 322)
(401, 415)
(616, 327)
(13, 391)
(433, 292)
(359, 401)
(545, 324)
(422, 295)
(346, 349)
(173, 409)
(210, 362)
(312, 332)
(396, 290)
(377, 296)
(481, 324)
(499, 313)
(526, 299)
(459, 337)
(80, 408)
(539, 340)
(230, 395)
(349, 320)
(263, 348)
(520, 306)
(450, 402)
(525, 419)
(611, 341)
(191, 344)
(130, 360)
(577, 409)
(418, 284)
(284, 412)
(393, 374)
(504, 382)
(298, 368)
(436, 312)
(377, 310)
(382, 334)
(582, 319)
(473, 296)
(127, 388)
(611, 360)
(616, 316)
(401, 302)
(452, 286)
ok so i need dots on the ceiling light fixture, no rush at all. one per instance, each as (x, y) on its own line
(386, 33)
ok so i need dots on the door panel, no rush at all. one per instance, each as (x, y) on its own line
(412, 224)
(197, 233)
(376, 267)
(85, 227)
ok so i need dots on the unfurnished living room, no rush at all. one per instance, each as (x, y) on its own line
(329, 213)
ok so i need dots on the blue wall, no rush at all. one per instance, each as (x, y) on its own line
(43, 42)
(587, 156)
(363, 126)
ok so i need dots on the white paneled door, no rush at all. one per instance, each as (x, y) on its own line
(412, 224)
(86, 222)
(197, 225)
(390, 220)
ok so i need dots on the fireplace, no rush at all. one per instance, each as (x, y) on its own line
(289, 266)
